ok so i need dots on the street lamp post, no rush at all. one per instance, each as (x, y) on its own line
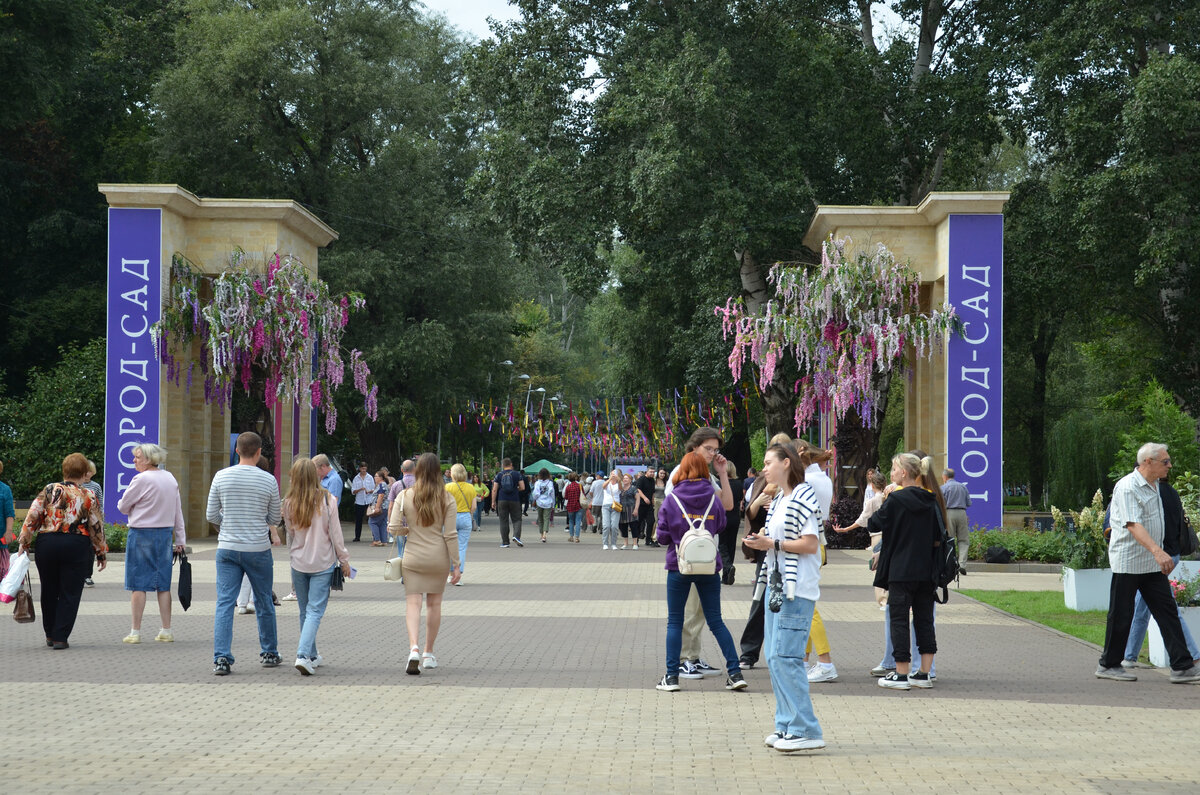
(528, 392)
(507, 399)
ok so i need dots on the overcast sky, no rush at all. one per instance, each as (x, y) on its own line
(470, 16)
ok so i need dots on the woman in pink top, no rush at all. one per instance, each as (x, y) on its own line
(155, 514)
(316, 546)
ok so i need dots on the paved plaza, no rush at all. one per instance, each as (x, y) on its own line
(548, 659)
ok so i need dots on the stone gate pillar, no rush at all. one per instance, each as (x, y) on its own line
(953, 404)
(148, 224)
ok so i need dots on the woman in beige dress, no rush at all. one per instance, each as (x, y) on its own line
(430, 553)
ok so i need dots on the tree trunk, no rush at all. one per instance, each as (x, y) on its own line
(1039, 351)
(778, 401)
(379, 447)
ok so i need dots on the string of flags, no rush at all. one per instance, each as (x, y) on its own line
(648, 425)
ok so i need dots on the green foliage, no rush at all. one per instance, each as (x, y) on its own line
(62, 413)
(758, 448)
(1163, 421)
(115, 535)
(1187, 483)
(1024, 543)
(1085, 547)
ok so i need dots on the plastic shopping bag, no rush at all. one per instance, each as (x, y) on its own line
(18, 567)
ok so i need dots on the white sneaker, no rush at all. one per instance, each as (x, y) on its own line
(132, 637)
(317, 662)
(772, 738)
(428, 661)
(414, 662)
(242, 610)
(304, 666)
(165, 636)
(822, 672)
(794, 743)
(604, 546)
(290, 597)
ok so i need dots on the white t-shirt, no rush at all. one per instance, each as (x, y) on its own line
(610, 494)
(596, 491)
(808, 569)
(822, 486)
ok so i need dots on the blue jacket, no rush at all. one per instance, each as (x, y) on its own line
(694, 495)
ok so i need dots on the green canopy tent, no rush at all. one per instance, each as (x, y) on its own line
(538, 466)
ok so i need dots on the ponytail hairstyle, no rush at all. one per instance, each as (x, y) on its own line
(811, 454)
(929, 480)
(784, 452)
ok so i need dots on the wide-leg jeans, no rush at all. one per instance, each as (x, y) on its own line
(785, 637)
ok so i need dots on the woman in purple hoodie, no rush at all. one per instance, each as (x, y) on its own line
(693, 498)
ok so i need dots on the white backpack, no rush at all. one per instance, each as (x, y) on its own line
(696, 552)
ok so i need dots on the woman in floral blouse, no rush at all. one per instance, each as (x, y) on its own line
(66, 519)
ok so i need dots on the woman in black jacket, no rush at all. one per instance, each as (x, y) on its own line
(909, 524)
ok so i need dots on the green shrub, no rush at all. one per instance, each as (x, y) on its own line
(1024, 543)
(1086, 547)
(115, 535)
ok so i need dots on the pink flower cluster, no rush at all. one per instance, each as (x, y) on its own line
(847, 323)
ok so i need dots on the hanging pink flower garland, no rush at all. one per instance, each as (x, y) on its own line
(271, 322)
(845, 321)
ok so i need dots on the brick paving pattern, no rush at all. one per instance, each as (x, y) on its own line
(548, 656)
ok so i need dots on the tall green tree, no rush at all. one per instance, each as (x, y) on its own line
(352, 108)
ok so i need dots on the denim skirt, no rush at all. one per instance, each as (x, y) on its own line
(148, 553)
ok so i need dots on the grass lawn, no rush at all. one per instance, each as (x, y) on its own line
(1046, 607)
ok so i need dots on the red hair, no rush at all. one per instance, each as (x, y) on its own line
(692, 467)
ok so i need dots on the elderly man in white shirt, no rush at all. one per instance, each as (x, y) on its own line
(1140, 565)
(362, 487)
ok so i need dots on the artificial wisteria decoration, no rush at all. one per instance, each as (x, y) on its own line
(846, 322)
(270, 322)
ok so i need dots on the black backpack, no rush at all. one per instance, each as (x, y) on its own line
(997, 554)
(945, 561)
(509, 479)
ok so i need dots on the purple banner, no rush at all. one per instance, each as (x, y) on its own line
(132, 370)
(975, 372)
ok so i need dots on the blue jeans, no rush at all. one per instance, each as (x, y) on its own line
(479, 513)
(462, 523)
(400, 540)
(708, 588)
(611, 519)
(260, 568)
(1141, 621)
(889, 651)
(574, 522)
(312, 596)
(785, 635)
(378, 527)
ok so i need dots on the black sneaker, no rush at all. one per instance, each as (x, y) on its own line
(269, 659)
(736, 682)
(920, 679)
(705, 669)
(221, 666)
(88, 583)
(668, 683)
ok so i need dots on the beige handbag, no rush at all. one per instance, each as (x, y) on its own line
(394, 569)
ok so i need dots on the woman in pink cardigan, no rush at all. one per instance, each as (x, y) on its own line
(316, 547)
(155, 515)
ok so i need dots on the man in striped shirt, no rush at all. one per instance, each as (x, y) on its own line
(1140, 565)
(244, 502)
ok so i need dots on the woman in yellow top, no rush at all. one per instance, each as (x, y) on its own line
(482, 492)
(465, 499)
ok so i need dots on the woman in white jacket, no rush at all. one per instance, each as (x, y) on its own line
(610, 510)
